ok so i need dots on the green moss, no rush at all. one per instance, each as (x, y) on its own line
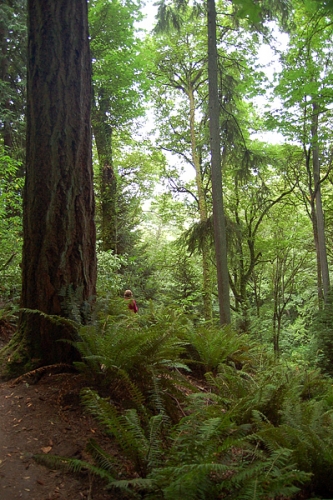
(14, 358)
(40, 340)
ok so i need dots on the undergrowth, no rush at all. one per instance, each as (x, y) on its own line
(249, 428)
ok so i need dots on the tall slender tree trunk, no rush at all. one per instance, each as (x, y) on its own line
(320, 289)
(59, 256)
(207, 292)
(6, 131)
(218, 210)
(321, 243)
(107, 178)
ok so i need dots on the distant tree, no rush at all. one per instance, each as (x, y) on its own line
(305, 88)
(13, 34)
(173, 14)
(180, 74)
(59, 260)
(118, 98)
(220, 235)
(10, 227)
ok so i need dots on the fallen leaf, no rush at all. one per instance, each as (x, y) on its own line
(46, 449)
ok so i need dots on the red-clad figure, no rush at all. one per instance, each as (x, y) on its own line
(128, 295)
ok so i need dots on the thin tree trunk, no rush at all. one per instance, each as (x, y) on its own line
(6, 130)
(207, 300)
(218, 211)
(322, 254)
(314, 221)
(108, 182)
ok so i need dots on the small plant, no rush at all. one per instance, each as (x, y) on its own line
(211, 345)
(142, 446)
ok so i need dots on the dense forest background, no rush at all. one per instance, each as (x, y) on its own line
(263, 427)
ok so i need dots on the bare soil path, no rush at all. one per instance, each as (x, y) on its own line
(45, 417)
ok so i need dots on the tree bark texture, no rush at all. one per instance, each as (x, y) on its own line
(321, 241)
(218, 210)
(108, 182)
(206, 281)
(59, 256)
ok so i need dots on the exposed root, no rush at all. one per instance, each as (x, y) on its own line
(35, 375)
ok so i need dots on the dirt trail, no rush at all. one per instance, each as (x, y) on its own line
(44, 418)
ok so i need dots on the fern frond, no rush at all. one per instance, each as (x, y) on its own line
(127, 430)
(71, 465)
(134, 359)
(269, 476)
(57, 320)
(113, 424)
(104, 460)
(191, 481)
(132, 486)
(155, 449)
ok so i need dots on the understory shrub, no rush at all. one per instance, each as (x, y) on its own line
(251, 428)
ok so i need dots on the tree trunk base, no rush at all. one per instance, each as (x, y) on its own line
(41, 340)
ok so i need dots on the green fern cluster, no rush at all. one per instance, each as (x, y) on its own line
(288, 409)
(211, 346)
(306, 428)
(214, 456)
(142, 365)
(255, 429)
(140, 442)
(205, 456)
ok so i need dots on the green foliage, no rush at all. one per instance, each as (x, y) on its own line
(109, 281)
(8, 316)
(13, 42)
(141, 446)
(322, 328)
(68, 323)
(143, 362)
(254, 428)
(72, 465)
(115, 44)
(289, 409)
(211, 457)
(212, 345)
(10, 226)
(306, 428)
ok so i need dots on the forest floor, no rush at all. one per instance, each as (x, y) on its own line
(45, 417)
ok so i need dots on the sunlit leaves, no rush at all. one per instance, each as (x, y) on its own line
(10, 224)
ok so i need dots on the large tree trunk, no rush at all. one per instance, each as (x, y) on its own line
(59, 259)
(218, 210)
